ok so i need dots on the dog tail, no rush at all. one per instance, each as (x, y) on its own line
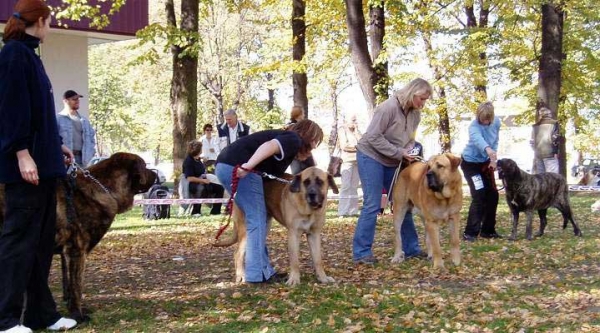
(236, 214)
(226, 242)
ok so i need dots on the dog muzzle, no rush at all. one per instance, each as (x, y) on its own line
(433, 183)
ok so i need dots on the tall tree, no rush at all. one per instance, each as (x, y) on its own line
(477, 32)
(368, 76)
(184, 84)
(299, 78)
(550, 66)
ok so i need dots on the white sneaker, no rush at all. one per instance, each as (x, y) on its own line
(18, 329)
(63, 324)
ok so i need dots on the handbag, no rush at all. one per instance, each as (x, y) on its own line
(335, 166)
(335, 161)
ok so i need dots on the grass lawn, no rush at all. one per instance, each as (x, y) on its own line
(164, 276)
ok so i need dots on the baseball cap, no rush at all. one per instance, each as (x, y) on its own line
(70, 93)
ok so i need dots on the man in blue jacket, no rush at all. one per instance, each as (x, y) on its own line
(76, 131)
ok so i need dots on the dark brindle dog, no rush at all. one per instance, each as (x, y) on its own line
(526, 193)
(84, 218)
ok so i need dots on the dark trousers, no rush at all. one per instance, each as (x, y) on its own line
(26, 249)
(484, 198)
(210, 190)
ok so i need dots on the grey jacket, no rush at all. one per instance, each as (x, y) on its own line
(545, 134)
(389, 133)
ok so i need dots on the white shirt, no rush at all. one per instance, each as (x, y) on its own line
(210, 148)
(233, 132)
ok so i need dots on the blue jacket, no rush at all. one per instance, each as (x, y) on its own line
(481, 137)
(65, 129)
(27, 115)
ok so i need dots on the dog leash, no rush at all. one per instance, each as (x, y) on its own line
(86, 174)
(235, 179)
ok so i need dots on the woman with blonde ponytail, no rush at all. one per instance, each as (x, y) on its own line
(32, 157)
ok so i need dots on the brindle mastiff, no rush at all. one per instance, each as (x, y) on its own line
(300, 207)
(435, 188)
(84, 218)
(526, 193)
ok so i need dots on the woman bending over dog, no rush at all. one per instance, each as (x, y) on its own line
(387, 141)
(270, 151)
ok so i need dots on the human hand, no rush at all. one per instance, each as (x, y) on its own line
(493, 165)
(408, 156)
(69, 157)
(241, 172)
(27, 167)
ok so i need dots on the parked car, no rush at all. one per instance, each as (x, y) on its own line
(579, 170)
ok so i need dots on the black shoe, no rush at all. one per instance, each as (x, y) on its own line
(275, 278)
(419, 255)
(469, 238)
(492, 235)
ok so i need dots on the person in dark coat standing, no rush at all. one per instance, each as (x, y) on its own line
(232, 129)
(32, 157)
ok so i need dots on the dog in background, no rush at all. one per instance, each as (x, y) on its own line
(300, 207)
(85, 215)
(435, 188)
(526, 193)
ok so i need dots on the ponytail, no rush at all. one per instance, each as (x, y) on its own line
(26, 13)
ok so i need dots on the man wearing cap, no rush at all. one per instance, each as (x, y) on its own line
(76, 131)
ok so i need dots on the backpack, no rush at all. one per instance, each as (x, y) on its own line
(156, 211)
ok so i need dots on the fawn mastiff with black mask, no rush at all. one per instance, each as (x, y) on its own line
(300, 207)
(435, 188)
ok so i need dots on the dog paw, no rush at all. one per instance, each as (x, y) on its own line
(239, 279)
(398, 259)
(326, 279)
(293, 281)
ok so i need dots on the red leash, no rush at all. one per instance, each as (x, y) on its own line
(235, 179)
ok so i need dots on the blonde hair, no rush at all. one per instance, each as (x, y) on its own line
(406, 94)
(485, 111)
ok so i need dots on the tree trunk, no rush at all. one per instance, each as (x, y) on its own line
(442, 106)
(359, 51)
(299, 78)
(549, 73)
(184, 83)
(479, 68)
(377, 27)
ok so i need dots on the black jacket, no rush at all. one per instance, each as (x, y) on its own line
(242, 130)
(27, 114)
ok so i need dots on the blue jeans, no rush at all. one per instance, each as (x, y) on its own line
(374, 177)
(250, 199)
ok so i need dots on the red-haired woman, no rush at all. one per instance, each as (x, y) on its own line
(31, 160)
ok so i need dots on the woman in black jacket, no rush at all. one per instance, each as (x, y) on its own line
(31, 160)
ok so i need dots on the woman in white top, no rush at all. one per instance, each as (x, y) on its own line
(210, 148)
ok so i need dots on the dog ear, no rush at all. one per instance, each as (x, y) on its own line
(454, 161)
(332, 184)
(295, 185)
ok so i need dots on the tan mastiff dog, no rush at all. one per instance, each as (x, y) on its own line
(435, 188)
(300, 207)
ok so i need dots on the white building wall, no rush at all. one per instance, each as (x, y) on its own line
(65, 58)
